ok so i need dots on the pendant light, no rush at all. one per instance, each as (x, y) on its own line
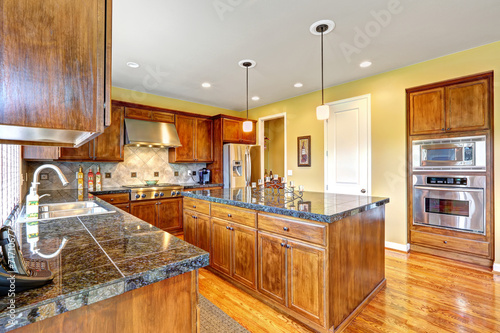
(320, 28)
(247, 124)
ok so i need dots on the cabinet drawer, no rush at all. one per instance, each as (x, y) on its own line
(163, 117)
(200, 206)
(299, 229)
(114, 198)
(230, 213)
(451, 243)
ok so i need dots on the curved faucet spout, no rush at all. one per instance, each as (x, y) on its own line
(62, 177)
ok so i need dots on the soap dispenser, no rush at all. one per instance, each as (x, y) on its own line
(32, 204)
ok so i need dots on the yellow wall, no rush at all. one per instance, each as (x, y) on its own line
(388, 121)
(131, 96)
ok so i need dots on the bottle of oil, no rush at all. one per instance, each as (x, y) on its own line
(79, 177)
(98, 181)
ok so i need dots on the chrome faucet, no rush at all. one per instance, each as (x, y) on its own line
(35, 182)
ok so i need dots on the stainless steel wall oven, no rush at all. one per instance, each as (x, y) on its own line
(454, 202)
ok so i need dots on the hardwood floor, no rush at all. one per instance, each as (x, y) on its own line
(423, 294)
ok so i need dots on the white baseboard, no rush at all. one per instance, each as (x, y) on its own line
(496, 268)
(397, 246)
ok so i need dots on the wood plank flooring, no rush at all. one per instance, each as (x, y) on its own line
(423, 294)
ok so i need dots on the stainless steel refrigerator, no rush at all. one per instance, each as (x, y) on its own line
(241, 165)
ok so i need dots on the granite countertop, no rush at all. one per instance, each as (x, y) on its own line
(315, 206)
(111, 190)
(106, 255)
(197, 185)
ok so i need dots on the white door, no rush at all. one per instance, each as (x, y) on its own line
(347, 137)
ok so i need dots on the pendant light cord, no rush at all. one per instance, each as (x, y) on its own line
(247, 92)
(322, 83)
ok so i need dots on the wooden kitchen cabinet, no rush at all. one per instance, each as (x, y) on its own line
(458, 105)
(149, 115)
(195, 135)
(272, 267)
(189, 227)
(123, 206)
(64, 51)
(232, 132)
(165, 214)
(197, 229)
(107, 147)
(234, 251)
(119, 200)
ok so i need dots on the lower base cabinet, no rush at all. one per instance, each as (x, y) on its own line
(197, 229)
(234, 251)
(293, 274)
(165, 214)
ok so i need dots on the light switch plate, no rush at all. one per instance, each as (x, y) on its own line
(176, 173)
(156, 174)
(133, 174)
(107, 175)
(289, 172)
(44, 176)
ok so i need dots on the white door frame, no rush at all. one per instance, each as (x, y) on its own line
(261, 140)
(368, 97)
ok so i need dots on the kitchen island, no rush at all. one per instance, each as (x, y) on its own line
(319, 259)
(116, 273)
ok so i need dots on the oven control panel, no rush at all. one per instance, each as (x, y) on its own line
(447, 180)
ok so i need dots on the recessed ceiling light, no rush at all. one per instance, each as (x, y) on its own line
(298, 85)
(206, 85)
(255, 98)
(365, 64)
(132, 64)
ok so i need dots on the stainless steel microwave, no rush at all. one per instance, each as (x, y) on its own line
(450, 154)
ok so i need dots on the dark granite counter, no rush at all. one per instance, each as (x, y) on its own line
(106, 255)
(315, 206)
(111, 190)
(196, 185)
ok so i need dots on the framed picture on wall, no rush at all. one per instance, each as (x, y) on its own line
(304, 151)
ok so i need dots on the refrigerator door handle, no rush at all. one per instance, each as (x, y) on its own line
(248, 166)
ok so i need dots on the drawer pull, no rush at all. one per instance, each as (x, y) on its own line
(446, 242)
(227, 227)
(288, 246)
(282, 244)
(229, 215)
(111, 199)
(286, 228)
(194, 206)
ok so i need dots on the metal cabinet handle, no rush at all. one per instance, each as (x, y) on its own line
(288, 246)
(111, 199)
(286, 228)
(446, 242)
(194, 206)
(229, 215)
(231, 228)
(227, 227)
(449, 128)
(442, 129)
(282, 244)
(363, 191)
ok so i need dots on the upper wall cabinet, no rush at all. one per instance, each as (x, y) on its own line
(232, 132)
(107, 147)
(56, 71)
(195, 134)
(457, 105)
(143, 114)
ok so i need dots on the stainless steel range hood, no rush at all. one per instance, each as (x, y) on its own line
(150, 133)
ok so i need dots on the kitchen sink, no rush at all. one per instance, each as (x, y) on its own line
(66, 209)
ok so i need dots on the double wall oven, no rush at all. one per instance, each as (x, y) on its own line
(442, 196)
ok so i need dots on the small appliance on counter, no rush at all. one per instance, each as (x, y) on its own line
(204, 176)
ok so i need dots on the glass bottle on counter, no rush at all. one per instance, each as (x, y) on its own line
(98, 180)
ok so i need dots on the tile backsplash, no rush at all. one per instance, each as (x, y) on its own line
(142, 160)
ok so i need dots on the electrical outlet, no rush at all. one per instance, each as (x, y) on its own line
(107, 175)
(190, 173)
(156, 174)
(44, 176)
(289, 172)
(194, 173)
(133, 174)
(176, 173)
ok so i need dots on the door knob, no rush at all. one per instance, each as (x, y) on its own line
(363, 191)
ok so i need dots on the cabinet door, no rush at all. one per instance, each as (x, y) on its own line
(203, 232)
(109, 145)
(189, 224)
(467, 106)
(135, 113)
(40, 153)
(186, 129)
(220, 249)
(83, 153)
(306, 280)
(54, 63)
(170, 214)
(271, 261)
(204, 140)
(145, 210)
(124, 206)
(427, 111)
(244, 255)
(231, 130)
(163, 117)
(249, 137)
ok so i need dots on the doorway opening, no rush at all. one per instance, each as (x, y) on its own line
(272, 139)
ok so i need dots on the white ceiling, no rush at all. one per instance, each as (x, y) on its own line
(180, 44)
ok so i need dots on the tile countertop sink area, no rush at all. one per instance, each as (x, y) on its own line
(105, 256)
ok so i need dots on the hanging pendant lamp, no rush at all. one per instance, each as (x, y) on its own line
(320, 28)
(247, 124)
